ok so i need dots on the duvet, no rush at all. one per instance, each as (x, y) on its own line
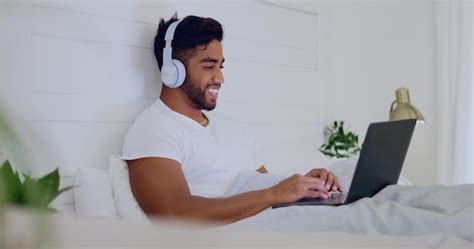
(401, 210)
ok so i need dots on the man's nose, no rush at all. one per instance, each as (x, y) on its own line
(219, 77)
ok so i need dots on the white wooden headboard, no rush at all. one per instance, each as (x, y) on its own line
(78, 73)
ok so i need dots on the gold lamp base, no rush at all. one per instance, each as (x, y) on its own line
(402, 109)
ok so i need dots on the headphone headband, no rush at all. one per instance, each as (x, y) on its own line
(173, 71)
(170, 31)
(167, 51)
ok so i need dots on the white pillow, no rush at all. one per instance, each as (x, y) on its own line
(127, 206)
(93, 196)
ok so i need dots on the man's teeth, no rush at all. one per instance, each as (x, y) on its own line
(213, 91)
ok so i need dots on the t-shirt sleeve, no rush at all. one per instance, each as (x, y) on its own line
(152, 138)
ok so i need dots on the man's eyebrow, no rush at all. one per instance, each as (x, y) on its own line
(208, 59)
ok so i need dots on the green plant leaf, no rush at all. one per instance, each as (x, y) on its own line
(11, 183)
(327, 153)
(31, 192)
(340, 131)
(51, 180)
(40, 192)
(339, 142)
(27, 184)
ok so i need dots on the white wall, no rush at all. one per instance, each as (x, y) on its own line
(368, 50)
(77, 73)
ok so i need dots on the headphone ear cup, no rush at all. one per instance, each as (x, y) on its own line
(168, 74)
(173, 74)
(181, 72)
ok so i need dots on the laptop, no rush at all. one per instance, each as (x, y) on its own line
(379, 165)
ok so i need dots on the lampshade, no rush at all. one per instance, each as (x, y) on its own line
(402, 109)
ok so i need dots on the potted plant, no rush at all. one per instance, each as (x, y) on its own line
(21, 189)
(340, 143)
(30, 192)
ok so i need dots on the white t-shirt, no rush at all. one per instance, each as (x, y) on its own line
(211, 157)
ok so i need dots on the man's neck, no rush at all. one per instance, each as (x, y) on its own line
(177, 101)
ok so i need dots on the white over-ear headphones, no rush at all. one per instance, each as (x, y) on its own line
(173, 71)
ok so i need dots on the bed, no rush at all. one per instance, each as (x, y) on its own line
(80, 72)
(400, 215)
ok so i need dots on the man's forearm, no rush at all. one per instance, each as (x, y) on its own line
(222, 210)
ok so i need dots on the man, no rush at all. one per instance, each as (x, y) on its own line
(180, 160)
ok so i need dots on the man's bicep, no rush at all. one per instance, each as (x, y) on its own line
(157, 184)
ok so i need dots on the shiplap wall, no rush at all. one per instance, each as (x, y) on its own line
(78, 73)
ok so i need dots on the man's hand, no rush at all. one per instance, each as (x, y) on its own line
(330, 180)
(297, 187)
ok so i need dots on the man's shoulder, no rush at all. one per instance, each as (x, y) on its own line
(153, 134)
(152, 117)
(157, 112)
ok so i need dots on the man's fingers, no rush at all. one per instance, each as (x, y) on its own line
(323, 175)
(313, 173)
(339, 187)
(316, 194)
(336, 186)
(309, 179)
(316, 185)
(311, 183)
(330, 181)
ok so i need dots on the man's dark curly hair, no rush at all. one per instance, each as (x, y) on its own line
(191, 32)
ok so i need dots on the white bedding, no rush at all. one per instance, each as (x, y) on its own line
(396, 210)
(70, 232)
(398, 217)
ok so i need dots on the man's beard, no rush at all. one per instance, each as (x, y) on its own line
(197, 95)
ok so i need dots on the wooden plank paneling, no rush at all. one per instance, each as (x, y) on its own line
(72, 145)
(113, 109)
(274, 134)
(263, 23)
(90, 70)
(75, 66)
(258, 113)
(265, 83)
(269, 53)
(128, 71)
(67, 107)
(78, 26)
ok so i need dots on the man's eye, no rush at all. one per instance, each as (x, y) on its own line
(212, 67)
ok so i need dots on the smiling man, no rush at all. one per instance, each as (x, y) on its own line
(181, 161)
